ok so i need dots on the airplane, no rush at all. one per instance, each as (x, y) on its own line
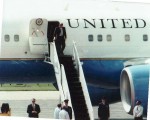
(112, 40)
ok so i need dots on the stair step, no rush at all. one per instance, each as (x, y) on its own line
(69, 64)
(80, 108)
(65, 57)
(73, 74)
(73, 79)
(84, 112)
(76, 92)
(67, 70)
(80, 118)
(78, 97)
(66, 62)
(81, 104)
(81, 114)
(81, 95)
(70, 80)
(74, 83)
(79, 100)
(78, 88)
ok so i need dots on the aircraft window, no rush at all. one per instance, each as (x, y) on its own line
(109, 38)
(127, 37)
(90, 37)
(145, 37)
(7, 38)
(100, 37)
(16, 38)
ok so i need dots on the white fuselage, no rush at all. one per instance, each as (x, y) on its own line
(117, 28)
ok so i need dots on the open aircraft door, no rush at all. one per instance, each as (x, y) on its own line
(38, 36)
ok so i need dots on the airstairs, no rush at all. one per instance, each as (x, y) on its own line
(71, 82)
(68, 70)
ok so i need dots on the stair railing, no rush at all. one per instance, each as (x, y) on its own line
(60, 76)
(66, 88)
(55, 62)
(83, 82)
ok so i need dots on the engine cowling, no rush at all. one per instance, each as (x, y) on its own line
(134, 84)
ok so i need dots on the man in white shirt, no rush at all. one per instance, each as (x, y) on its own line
(56, 111)
(63, 114)
(138, 111)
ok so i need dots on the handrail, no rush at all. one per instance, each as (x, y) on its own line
(60, 76)
(64, 83)
(66, 88)
(55, 62)
(83, 82)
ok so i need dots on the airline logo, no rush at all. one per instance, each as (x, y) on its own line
(107, 23)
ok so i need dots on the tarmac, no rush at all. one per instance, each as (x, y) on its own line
(48, 100)
(117, 112)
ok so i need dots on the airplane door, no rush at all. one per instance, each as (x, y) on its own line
(38, 36)
(50, 30)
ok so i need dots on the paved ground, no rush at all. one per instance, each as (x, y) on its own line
(48, 100)
(116, 112)
(19, 100)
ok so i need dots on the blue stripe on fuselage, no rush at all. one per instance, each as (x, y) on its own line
(103, 73)
(102, 76)
(27, 71)
(96, 93)
(97, 72)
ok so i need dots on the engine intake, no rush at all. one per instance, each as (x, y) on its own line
(134, 84)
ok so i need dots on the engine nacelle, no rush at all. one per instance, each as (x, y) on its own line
(134, 84)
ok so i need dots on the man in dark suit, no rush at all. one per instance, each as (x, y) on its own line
(103, 110)
(60, 36)
(33, 109)
(68, 108)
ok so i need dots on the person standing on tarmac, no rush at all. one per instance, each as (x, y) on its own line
(103, 110)
(57, 110)
(138, 111)
(68, 108)
(63, 114)
(33, 109)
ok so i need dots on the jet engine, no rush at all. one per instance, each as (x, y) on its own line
(134, 84)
